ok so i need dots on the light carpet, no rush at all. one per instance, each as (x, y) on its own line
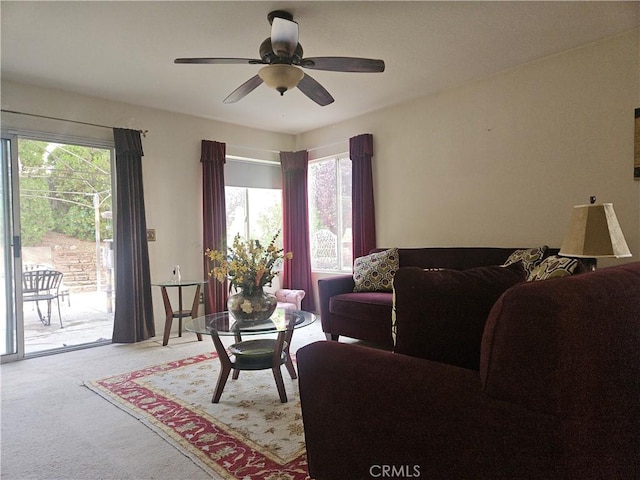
(249, 435)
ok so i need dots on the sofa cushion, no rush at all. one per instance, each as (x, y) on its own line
(363, 305)
(530, 257)
(374, 272)
(440, 315)
(553, 267)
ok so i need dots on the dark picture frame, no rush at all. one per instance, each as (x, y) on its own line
(636, 152)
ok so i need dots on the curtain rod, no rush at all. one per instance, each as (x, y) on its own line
(142, 132)
(255, 149)
(341, 142)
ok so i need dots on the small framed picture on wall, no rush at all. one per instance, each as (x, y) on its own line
(636, 151)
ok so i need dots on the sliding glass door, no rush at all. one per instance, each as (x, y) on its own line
(8, 327)
(57, 222)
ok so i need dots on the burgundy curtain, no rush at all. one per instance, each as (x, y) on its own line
(133, 316)
(214, 219)
(363, 212)
(297, 272)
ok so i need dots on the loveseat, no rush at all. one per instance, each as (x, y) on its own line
(556, 395)
(366, 315)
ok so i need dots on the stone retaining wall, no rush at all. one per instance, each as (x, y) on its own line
(76, 259)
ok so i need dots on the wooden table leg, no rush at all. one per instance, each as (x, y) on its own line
(169, 316)
(194, 309)
(289, 363)
(277, 358)
(277, 374)
(225, 364)
(238, 338)
(281, 347)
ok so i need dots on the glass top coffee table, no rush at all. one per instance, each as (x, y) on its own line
(256, 354)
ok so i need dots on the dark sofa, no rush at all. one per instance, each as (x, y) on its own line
(556, 396)
(367, 315)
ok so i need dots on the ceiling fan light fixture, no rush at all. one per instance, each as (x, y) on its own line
(281, 77)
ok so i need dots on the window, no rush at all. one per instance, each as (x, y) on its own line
(254, 213)
(329, 182)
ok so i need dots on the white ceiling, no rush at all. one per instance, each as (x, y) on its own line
(124, 51)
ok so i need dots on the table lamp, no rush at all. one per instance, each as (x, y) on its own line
(594, 232)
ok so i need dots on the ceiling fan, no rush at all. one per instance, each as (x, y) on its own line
(282, 55)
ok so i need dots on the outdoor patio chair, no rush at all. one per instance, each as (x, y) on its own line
(63, 289)
(325, 249)
(42, 285)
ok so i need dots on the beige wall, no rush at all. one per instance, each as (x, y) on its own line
(499, 161)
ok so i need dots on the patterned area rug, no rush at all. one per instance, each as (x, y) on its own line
(249, 435)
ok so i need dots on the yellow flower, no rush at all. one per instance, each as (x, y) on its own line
(246, 306)
(247, 265)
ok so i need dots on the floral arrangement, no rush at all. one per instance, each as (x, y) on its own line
(248, 265)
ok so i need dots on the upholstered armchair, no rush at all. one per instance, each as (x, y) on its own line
(290, 299)
(557, 394)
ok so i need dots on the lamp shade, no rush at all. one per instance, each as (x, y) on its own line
(594, 232)
(281, 77)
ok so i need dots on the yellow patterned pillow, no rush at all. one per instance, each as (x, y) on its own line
(374, 272)
(530, 258)
(553, 267)
(394, 327)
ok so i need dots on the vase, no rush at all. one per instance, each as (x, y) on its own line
(252, 308)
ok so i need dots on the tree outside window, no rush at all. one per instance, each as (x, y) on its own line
(329, 183)
(254, 213)
(61, 186)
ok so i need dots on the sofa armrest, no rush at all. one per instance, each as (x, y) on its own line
(365, 410)
(327, 288)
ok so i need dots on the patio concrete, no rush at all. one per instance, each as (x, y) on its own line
(84, 316)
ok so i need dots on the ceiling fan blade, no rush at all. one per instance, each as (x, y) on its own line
(220, 61)
(284, 37)
(343, 64)
(316, 92)
(244, 89)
